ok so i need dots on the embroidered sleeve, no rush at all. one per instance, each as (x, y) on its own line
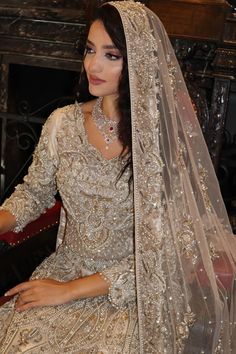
(121, 279)
(38, 189)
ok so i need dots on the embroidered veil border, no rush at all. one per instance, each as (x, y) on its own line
(182, 231)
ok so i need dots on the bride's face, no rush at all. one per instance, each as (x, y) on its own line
(103, 62)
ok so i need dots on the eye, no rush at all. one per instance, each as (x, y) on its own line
(111, 56)
(89, 50)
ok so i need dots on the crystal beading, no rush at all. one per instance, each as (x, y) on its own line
(107, 127)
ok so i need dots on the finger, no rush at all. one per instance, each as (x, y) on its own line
(16, 289)
(20, 287)
(25, 298)
(27, 306)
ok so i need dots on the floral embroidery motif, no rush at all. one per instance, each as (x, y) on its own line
(180, 154)
(183, 329)
(98, 238)
(213, 253)
(203, 177)
(187, 240)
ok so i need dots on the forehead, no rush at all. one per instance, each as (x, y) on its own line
(98, 33)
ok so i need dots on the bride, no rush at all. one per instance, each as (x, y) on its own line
(143, 222)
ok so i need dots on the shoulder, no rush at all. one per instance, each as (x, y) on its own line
(71, 113)
(86, 108)
(67, 119)
(58, 125)
(59, 117)
(66, 112)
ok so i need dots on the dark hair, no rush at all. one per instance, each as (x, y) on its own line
(111, 20)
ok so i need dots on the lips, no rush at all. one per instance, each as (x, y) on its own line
(94, 80)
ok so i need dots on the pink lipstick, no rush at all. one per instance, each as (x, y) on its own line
(94, 80)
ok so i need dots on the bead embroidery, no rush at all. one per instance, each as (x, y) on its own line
(107, 127)
(146, 92)
(213, 253)
(183, 329)
(203, 177)
(99, 228)
(187, 240)
(180, 154)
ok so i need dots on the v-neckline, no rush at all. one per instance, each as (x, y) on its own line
(91, 146)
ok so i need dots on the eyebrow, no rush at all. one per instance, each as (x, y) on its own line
(108, 46)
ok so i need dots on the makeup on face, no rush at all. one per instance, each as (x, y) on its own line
(103, 62)
(95, 80)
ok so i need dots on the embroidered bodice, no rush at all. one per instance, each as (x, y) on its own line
(97, 230)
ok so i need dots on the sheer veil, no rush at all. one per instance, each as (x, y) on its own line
(184, 247)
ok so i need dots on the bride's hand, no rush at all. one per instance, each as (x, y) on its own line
(7, 221)
(43, 292)
(50, 292)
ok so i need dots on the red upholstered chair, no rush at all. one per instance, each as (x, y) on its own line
(13, 243)
(44, 222)
(223, 271)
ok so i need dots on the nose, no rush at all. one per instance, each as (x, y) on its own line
(95, 64)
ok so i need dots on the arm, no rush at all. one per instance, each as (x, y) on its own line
(48, 292)
(37, 191)
(121, 280)
(7, 221)
(118, 282)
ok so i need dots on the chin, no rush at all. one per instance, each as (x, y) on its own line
(98, 92)
(94, 91)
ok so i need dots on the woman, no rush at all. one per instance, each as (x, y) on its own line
(133, 159)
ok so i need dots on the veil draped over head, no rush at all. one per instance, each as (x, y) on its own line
(184, 248)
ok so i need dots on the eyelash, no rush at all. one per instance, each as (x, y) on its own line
(109, 56)
(88, 50)
(113, 56)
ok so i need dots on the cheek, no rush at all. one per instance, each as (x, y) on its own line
(116, 72)
(85, 64)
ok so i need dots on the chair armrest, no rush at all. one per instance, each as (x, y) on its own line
(25, 250)
(44, 222)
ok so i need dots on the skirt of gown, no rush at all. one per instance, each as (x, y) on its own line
(88, 326)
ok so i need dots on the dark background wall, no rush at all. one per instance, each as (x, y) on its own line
(41, 49)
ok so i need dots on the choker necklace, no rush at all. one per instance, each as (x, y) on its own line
(107, 127)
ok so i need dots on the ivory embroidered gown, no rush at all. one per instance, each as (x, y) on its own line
(95, 235)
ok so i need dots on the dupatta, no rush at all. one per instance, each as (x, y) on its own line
(183, 238)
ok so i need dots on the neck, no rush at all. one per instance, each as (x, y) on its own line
(109, 107)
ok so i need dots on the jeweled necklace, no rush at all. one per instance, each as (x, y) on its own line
(107, 126)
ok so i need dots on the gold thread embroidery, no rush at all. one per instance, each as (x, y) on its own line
(186, 239)
(180, 154)
(172, 71)
(183, 329)
(213, 253)
(204, 188)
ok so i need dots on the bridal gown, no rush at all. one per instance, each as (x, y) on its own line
(95, 235)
